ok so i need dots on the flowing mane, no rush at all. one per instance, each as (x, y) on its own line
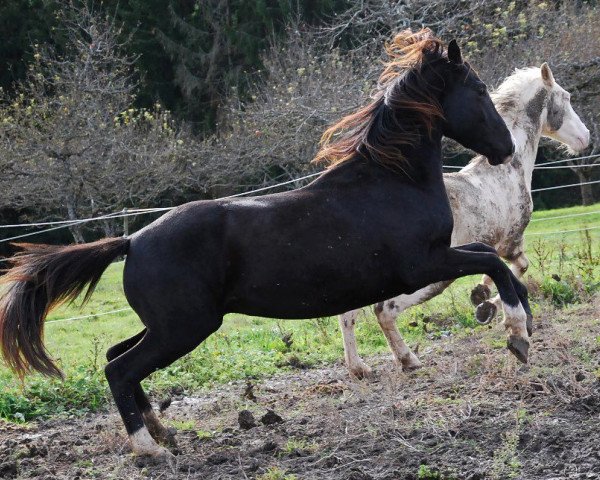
(402, 104)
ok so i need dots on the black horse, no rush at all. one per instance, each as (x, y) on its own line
(375, 225)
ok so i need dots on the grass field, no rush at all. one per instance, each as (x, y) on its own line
(252, 347)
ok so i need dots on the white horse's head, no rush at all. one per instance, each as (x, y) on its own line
(561, 122)
(532, 103)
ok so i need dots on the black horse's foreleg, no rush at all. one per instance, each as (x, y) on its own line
(517, 285)
(158, 431)
(155, 350)
(474, 259)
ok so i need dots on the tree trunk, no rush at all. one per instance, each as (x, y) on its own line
(587, 195)
(109, 228)
(75, 229)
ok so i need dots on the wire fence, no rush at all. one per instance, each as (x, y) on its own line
(91, 315)
(545, 165)
(570, 215)
(564, 186)
(61, 224)
(562, 232)
(132, 212)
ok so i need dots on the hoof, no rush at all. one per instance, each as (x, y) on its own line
(360, 371)
(411, 362)
(480, 294)
(519, 347)
(168, 437)
(163, 435)
(529, 324)
(485, 312)
(161, 456)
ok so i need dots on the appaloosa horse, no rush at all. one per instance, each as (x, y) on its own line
(377, 224)
(492, 205)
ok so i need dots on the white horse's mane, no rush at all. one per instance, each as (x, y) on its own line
(517, 89)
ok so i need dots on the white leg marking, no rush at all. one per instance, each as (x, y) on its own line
(387, 320)
(515, 319)
(142, 443)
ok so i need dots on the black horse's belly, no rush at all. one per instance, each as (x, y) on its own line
(321, 285)
(307, 260)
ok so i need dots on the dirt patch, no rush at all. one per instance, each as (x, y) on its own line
(472, 413)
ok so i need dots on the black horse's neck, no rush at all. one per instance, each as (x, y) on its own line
(423, 161)
(421, 164)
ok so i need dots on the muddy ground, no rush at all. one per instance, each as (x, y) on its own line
(472, 413)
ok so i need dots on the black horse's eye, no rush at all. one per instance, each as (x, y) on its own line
(481, 89)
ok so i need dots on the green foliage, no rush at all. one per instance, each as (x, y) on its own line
(294, 444)
(559, 292)
(82, 391)
(276, 473)
(190, 52)
(425, 472)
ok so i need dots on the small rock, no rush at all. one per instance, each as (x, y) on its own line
(246, 420)
(249, 391)
(177, 390)
(8, 469)
(270, 418)
(217, 459)
(269, 446)
(164, 404)
(579, 376)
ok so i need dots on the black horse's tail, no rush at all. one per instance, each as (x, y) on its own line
(40, 278)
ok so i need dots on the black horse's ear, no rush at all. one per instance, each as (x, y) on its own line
(454, 54)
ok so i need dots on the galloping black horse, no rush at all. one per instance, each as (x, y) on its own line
(375, 225)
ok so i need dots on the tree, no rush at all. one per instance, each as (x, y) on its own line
(71, 140)
(274, 134)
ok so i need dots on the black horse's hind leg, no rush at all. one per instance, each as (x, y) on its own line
(476, 259)
(158, 348)
(158, 431)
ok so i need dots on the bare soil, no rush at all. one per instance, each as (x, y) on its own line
(471, 413)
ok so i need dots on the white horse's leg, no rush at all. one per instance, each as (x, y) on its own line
(387, 312)
(482, 291)
(353, 361)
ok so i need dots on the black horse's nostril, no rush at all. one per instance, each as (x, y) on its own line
(512, 150)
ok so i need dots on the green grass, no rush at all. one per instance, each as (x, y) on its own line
(253, 347)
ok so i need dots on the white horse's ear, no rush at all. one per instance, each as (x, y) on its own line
(454, 54)
(547, 76)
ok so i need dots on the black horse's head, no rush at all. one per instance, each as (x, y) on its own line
(423, 90)
(470, 117)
